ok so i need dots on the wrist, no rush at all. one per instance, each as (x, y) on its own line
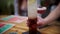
(46, 21)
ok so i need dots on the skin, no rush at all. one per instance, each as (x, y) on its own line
(24, 4)
(51, 17)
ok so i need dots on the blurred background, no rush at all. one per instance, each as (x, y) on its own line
(19, 7)
(6, 7)
(13, 7)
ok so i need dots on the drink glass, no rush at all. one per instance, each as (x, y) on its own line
(41, 11)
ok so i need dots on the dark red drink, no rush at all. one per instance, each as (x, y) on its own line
(41, 10)
(32, 26)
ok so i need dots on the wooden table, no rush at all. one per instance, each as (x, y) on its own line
(22, 27)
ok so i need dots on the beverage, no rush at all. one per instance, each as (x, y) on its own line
(32, 17)
(32, 26)
(41, 10)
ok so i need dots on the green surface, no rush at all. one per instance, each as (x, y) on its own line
(5, 28)
(7, 18)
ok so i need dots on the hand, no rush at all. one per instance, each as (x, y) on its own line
(41, 22)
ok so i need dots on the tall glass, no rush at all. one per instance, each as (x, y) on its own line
(32, 17)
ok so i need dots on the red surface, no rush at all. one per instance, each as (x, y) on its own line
(14, 19)
(1, 25)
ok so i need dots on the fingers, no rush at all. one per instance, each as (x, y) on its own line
(40, 22)
(27, 23)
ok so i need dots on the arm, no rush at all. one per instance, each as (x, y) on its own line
(53, 15)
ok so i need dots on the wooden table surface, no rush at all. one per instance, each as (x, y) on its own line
(54, 28)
